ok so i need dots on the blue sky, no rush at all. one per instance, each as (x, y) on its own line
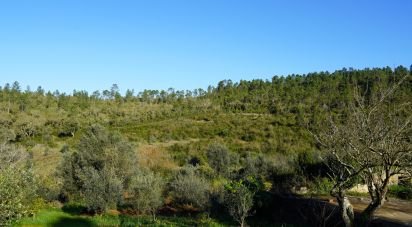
(186, 44)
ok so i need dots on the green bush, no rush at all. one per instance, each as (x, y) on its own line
(188, 188)
(17, 185)
(218, 158)
(102, 189)
(99, 171)
(322, 186)
(401, 191)
(147, 192)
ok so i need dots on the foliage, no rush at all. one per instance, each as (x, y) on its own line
(56, 217)
(262, 124)
(102, 189)
(17, 185)
(218, 158)
(239, 200)
(146, 190)
(322, 186)
(401, 191)
(99, 170)
(191, 189)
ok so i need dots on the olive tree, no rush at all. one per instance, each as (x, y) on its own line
(146, 189)
(99, 170)
(190, 188)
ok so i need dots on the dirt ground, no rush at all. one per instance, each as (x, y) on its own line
(394, 210)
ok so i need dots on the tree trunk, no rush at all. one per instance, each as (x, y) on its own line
(154, 216)
(377, 193)
(377, 202)
(346, 210)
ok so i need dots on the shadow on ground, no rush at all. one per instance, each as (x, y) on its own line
(73, 222)
(296, 210)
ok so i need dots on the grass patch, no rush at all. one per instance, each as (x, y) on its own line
(56, 217)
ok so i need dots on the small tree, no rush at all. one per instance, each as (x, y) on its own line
(190, 188)
(147, 191)
(239, 201)
(218, 157)
(100, 169)
(102, 189)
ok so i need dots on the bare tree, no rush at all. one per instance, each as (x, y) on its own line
(371, 143)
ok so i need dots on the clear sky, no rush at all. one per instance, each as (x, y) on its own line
(186, 44)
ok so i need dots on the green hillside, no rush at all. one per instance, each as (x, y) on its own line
(235, 135)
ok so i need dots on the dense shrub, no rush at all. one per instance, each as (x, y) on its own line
(17, 185)
(99, 170)
(322, 186)
(188, 188)
(401, 191)
(146, 189)
(218, 158)
(102, 189)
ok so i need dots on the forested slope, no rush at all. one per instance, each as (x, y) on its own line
(264, 124)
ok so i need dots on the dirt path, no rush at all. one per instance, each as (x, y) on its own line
(394, 210)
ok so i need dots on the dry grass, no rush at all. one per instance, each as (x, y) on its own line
(46, 160)
(155, 157)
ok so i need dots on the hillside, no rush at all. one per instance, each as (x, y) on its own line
(263, 126)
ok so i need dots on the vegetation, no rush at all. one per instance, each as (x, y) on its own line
(401, 191)
(239, 201)
(56, 217)
(229, 153)
(147, 191)
(189, 188)
(99, 171)
(17, 185)
(373, 144)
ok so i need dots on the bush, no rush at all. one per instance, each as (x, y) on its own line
(99, 171)
(102, 189)
(218, 158)
(257, 167)
(401, 191)
(147, 192)
(322, 186)
(17, 185)
(17, 192)
(188, 188)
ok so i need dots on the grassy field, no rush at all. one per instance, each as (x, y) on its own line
(56, 217)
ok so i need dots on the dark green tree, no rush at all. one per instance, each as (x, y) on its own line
(99, 170)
